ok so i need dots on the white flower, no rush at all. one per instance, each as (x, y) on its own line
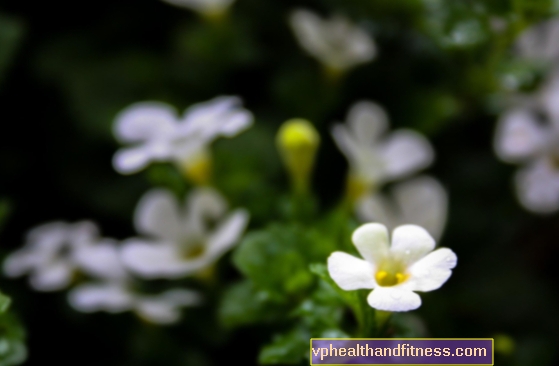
(374, 159)
(421, 201)
(158, 134)
(540, 42)
(205, 7)
(336, 42)
(528, 134)
(393, 272)
(48, 254)
(181, 241)
(113, 291)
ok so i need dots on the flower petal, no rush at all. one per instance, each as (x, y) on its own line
(83, 233)
(52, 277)
(47, 239)
(540, 41)
(367, 121)
(131, 160)
(165, 308)
(158, 215)
(411, 242)
(109, 297)
(549, 96)
(20, 262)
(377, 208)
(393, 299)
(160, 260)
(228, 233)
(203, 204)
(347, 144)
(422, 201)
(518, 136)
(145, 121)
(432, 271)
(221, 116)
(101, 260)
(538, 187)
(202, 6)
(371, 240)
(351, 273)
(405, 152)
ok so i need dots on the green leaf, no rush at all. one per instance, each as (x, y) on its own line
(356, 300)
(286, 349)
(12, 336)
(5, 302)
(243, 304)
(276, 259)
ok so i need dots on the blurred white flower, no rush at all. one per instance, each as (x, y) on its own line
(528, 134)
(375, 159)
(113, 290)
(393, 272)
(181, 241)
(421, 201)
(336, 42)
(540, 42)
(48, 254)
(158, 134)
(210, 8)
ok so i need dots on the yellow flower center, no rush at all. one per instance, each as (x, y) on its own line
(391, 272)
(193, 250)
(387, 279)
(356, 188)
(198, 169)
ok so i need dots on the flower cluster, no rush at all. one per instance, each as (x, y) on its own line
(174, 242)
(376, 158)
(527, 132)
(175, 245)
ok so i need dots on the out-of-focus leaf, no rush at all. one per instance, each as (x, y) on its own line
(288, 348)
(5, 302)
(12, 336)
(356, 300)
(242, 304)
(4, 211)
(11, 32)
(275, 259)
(405, 325)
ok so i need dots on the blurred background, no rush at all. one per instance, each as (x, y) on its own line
(67, 69)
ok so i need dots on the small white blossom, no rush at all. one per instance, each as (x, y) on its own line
(421, 201)
(181, 241)
(375, 159)
(336, 42)
(158, 134)
(113, 288)
(540, 42)
(528, 134)
(394, 272)
(205, 7)
(48, 254)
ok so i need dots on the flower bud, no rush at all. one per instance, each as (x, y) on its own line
(298, 141)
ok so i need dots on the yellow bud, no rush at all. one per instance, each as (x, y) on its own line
(198, 168)
(298, 141)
